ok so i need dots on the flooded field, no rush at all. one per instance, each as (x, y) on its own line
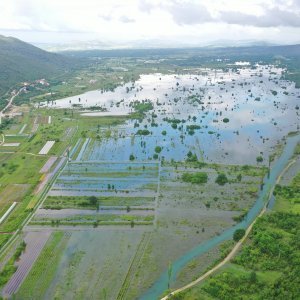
(188, 170)
(229, 117)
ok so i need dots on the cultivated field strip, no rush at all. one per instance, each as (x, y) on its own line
(35, 243)
(84, 146)
(47, 147)
(134, 265)
(49, 163)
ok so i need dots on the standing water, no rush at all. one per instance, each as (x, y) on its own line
(161, 284)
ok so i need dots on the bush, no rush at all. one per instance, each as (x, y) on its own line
(225, 120)
(157, 149)
(238, 234)
(199, 177)
(143, 132)
(93, 200)
(191, 157)
(221, 179)
(259, 159)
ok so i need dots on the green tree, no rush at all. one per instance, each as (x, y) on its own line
(93, 200)
(238, 234)
(259, 159)
(221, 179)
(157, 149)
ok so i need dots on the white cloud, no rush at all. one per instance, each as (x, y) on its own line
(187, 21)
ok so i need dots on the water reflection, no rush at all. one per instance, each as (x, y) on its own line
(260, 109)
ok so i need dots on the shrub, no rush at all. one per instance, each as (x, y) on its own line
(221, 179)
(259, 159)
(157, 149)
(199, 177)
(238, 234)
(191, 157)
(143, 132)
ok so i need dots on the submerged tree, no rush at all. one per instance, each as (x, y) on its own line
(221, 179)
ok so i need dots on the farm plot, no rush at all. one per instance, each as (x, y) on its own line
(107, 178)
(49, 163)
(35, 242)
(47, 147)
(36, 283)
(11, 145)
(11, 193)
(96, 193)
(84, 202)
(103, 258)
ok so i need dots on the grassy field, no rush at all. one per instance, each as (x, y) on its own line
(35, 284)
(84, 202)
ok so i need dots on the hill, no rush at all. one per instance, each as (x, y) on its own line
(287, 56)
(20, 61)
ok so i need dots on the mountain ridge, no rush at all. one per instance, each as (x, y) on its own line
(21, 61)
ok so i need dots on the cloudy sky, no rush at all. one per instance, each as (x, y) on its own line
(142, 22)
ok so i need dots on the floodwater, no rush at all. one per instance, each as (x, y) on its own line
(261, 109)
(161, 284)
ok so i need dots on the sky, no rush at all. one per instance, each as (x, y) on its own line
(146, 23)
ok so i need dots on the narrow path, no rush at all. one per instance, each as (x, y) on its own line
(3, 138)
(235, 249)
(10, 102)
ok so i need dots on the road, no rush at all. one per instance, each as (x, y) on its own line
(235, 249)
(10, 102)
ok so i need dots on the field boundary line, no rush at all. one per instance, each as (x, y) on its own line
(134, 264)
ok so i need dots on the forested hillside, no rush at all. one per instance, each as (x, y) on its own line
(20, 61)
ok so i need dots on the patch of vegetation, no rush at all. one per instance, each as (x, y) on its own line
(221, 179)
(43, 270)
(191, 157)
(158, 149)
(142, 106)
(84, 202)
(259, 159)
(143, 132)
(238, 234)
(10, 267)
(198, 177)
